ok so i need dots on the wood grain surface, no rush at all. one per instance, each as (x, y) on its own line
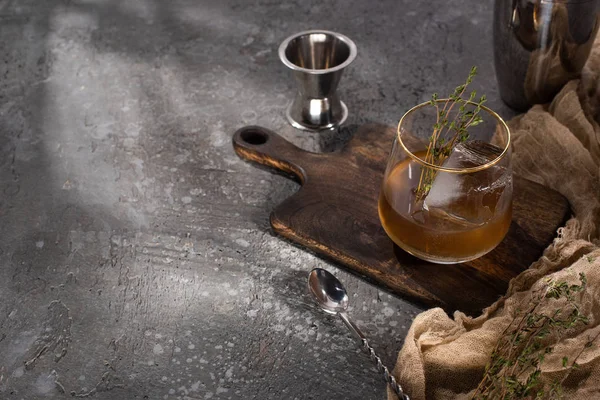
(335, 214)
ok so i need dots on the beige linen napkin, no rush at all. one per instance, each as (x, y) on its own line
(557, 145)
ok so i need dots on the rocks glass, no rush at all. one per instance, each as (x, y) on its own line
(457, 207)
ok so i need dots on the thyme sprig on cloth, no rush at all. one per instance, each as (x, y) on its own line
(514, 369)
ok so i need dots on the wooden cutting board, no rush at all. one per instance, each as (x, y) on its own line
(335, 214)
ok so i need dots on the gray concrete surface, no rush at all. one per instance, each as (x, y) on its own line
(136, 260)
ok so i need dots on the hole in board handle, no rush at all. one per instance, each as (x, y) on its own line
(254, 137)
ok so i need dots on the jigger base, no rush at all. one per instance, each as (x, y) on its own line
(307, 126)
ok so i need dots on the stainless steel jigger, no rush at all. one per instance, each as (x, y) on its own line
(317, 59)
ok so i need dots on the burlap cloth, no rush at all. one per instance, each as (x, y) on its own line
(557, 145)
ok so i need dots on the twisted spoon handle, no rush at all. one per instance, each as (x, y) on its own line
(389, 378)
(374, 357)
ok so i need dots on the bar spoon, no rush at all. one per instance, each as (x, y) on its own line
(331, 296)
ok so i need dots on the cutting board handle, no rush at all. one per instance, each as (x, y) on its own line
(266, 147)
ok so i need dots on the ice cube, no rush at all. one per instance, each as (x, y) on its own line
(469, 197)
(472, 154)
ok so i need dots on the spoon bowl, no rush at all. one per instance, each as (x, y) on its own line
(328, 291)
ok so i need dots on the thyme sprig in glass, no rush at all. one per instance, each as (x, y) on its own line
(447, 131)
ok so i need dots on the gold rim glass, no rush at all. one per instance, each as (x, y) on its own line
(502, 137)
(467, 208)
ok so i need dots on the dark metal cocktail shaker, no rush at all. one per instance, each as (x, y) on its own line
(539, 45)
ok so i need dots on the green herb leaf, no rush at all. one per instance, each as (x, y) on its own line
(449, 130)
(514, 370)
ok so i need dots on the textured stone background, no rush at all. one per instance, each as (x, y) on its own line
(136, 260)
